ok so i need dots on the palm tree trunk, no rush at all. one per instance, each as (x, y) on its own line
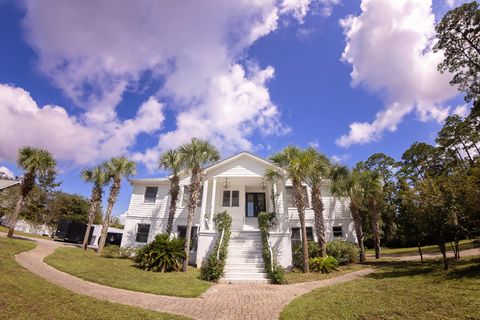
(376, 229)
(114, 190)
(14, 217)
(357, 222)
(195, 186)
(300, 202)
(174, 191)
(317, 205)
(91, 215)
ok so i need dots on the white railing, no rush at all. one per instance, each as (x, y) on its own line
(271, 252)
(220, 244)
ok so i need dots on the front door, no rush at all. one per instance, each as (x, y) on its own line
(255, 203)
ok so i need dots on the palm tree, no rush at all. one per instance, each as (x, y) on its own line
(372, 185)
(37, 164)
(347, 184)
(296, 163)
(319, 171)
(172, 160)
(116, 168)
(99, 178)
(196, 154)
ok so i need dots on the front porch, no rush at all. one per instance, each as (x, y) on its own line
(242, 197)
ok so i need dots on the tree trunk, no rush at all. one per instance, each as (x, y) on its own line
(420, 251)
(14, 217)
(300, 202)
(114, 190)
(376, 229)
(174, 191)
(195, 186)
(91, 215)
(317, 205)
(444, 254)
(357, 222)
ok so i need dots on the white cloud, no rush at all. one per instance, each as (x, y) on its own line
(314, 144)
(389, 47)
(96, 51)
(7, 172)
(340, 158)
(23, 122)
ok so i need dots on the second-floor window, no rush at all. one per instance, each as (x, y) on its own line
(150, 194)
(289, 197)
(231, 198)
(186, 196)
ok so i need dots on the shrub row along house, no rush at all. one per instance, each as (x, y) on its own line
(236, 185)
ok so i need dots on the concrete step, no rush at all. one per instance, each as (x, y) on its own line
(243, 270)
(242, 281)
(246, 255)
(243, 260)
(245, 275)
(245, 265)
(245, 250)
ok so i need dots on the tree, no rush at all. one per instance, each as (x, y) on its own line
(116, 168)
(458, 35)
(38, 165)
(387, 168)
(196, 155)
(296, 162)
(318, 173)
(347, 184)
(455, 136)
(98, 177)
(172, 160)
(372, 187)
(116, 223)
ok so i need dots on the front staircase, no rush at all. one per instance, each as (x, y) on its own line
(244, 260)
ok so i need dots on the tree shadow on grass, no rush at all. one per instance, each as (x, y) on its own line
(466, 268)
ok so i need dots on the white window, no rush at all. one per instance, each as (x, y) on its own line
(337, 232)
(231, 198)
(297, 234)
(290, 198)
(150, 195)
(142, 232)
(186, 196)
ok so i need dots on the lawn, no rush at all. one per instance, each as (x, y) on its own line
(399, 290)
(19, 233)
(122, 273)
(464, 245)
(24, 295)
(298, 276)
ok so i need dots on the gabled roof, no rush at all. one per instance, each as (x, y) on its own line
(8, 183)
(237, 156)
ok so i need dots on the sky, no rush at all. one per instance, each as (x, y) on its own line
(89, 80)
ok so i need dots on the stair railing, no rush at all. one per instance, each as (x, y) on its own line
(271, 251)
(220, 244)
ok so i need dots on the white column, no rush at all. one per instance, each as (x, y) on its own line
(212, 207)
(203, 209)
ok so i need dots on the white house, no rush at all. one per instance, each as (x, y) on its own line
(235, 185)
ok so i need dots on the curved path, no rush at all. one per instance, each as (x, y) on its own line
(222, 301)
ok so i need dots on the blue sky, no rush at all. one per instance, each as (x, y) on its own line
(89, 81)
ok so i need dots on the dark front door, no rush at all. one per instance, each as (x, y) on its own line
(255, 203)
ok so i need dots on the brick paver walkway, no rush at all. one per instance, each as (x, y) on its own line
(222, 301)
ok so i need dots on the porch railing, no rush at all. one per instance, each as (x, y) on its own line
(220, 243)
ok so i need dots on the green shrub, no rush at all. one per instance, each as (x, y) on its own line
(213, 268)
(161, 255)
(297, 256)
(323, 264)
(345, 252)
(113, 251)
(276, 274)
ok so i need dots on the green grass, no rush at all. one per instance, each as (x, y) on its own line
(464, 245)
(122, 273)
(399, 290)
(298, 276)
(19, 233)
(24, 295)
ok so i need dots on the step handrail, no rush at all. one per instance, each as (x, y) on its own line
(271, 251)
(220, 244)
